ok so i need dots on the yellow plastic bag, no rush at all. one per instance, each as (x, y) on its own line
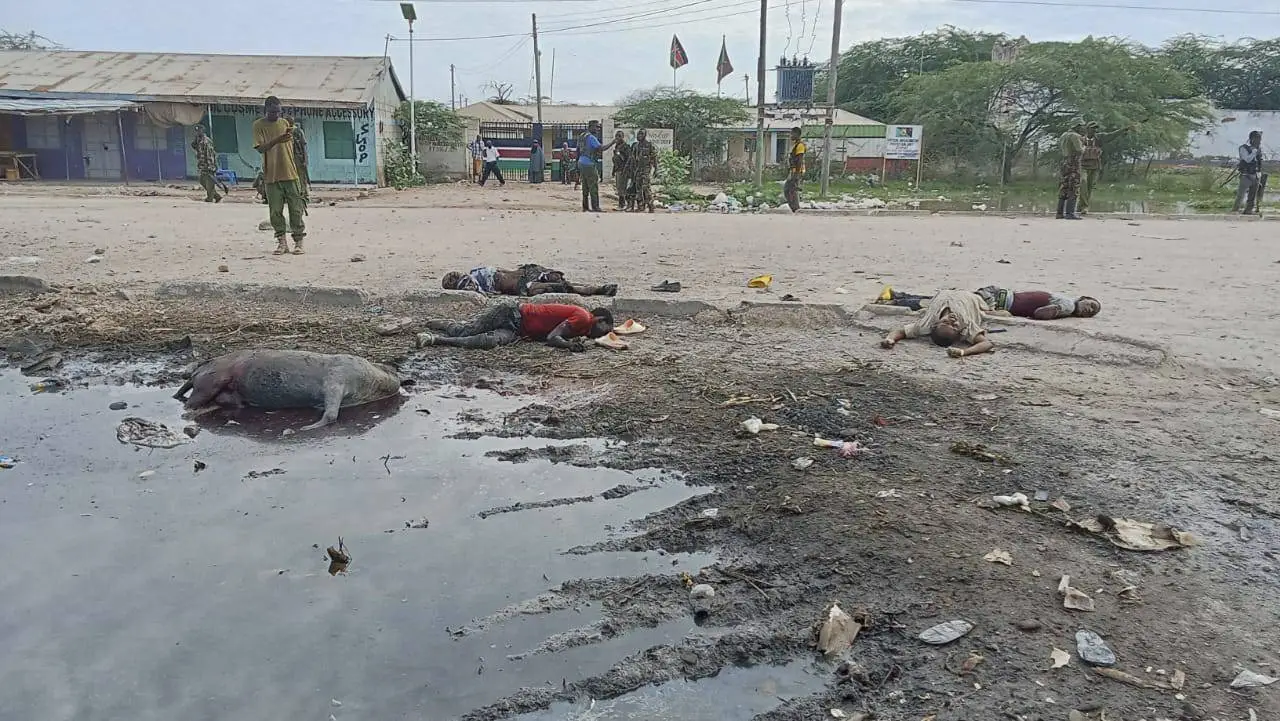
(760, 281)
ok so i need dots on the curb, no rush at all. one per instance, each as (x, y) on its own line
(332, 297)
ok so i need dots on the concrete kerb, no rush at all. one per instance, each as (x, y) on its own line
(325, 296)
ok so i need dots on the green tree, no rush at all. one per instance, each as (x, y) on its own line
(984, 111)
(26, 41)
(1243, 75)
(697, 119)
(872, 72)
(436, 123)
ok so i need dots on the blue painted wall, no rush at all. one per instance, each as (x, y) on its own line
(245, 161)
(168, 162)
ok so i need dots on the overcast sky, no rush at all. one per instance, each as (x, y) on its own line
(618, 53)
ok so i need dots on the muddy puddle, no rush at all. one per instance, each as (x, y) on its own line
(142, 588)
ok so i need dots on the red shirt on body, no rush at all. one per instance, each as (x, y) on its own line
(537, 321)
(1025, 302)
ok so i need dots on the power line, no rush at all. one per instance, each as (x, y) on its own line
(590, 13)
(671, 12)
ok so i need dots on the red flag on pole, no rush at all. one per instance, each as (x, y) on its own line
(678, 57)
(724, 68)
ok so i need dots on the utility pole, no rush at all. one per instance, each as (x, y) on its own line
(746, 87)
(452, 90)
(407, 10)
(760, 89)
(537, 68)
(551, 92)
(831, 101)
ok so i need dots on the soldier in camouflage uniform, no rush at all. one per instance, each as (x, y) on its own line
(1071, 144)
(300, 159)
(1091, 160)
(644, 163)
(622, 170)
(207, 165)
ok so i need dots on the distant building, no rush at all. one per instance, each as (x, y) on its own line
(512, 129)
(857, 141)
(123, 116)
(1229, 129)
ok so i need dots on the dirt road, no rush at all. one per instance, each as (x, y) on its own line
(898, 533)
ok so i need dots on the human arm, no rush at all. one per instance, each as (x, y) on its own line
(980, 345)
(565, 337)
(1248, 153)
(262, 143)
(894, 336)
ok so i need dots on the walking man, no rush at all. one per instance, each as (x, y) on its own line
(1091, 161)
(207, 165)
(491, 157)
(1250, 170)
(273, 137)
(477, 158)
(589, 153)
(791, 189)
(1072, 146)
(644, 163)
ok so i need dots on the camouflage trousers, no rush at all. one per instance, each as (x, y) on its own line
(1069, 184)
(642, 190)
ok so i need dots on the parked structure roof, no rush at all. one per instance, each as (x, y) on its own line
(488, 112)
(344, 82)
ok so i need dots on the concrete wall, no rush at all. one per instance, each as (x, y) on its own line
(385, 102)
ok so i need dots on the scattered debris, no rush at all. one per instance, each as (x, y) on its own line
(339, 559)
(979, 452)
(667, 286)
(998, 556)
(200, 466)
(967, 666)
(702, 591)
(357, 258)
(149, 434)
(1059, 658)
(945, 633)
(1137, 535)
(1128, 678)
(1062, 505)
(264, 474)
(394, 326)
(846, 449)
(838, 632)
(801, 463)
(1018, 499)
(1073, 598)
(49, 385)
(419, 524)
(43, 363)
(1093, 650)
(1251, 679)
(191, 429)
(837, 713)
(8, 462)
(983, 397)
(761, 282)
(1270, 413)
(710, 512)
(224, 269)
(1178, 680)
(146, 474)
(788, 298)
(891, 493)
(754, 425)
(118, 406)
(1029, 624)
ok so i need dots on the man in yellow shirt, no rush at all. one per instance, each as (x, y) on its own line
(791, 189)
(273, 137)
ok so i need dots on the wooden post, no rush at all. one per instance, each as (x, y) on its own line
(760, 90)
(831, 101)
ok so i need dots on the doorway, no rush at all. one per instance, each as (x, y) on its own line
(101, 147)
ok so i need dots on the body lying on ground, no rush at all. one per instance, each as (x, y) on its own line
(527, 280)
(1034, 304)
(952, 316)
(281, 379)
(559, 326)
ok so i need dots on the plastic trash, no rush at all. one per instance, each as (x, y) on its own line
(998, 556)
(1018, 499)
(1093, 650)
(49, 385)
(945, 633)
(8, 462)
(802, 463)
(630, 327)
(1251, 679)
(754, 425)
(838, 631)
(702, 591)
(761, 281)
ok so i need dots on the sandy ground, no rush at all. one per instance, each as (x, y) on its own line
(1198, 287)
(897, 533)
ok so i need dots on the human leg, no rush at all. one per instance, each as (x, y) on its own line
(1086, 190)
(275, 204)
(210, 187)
(500, 316)
(482, 341)
(484, 174)
(296, 202)
(591, 187)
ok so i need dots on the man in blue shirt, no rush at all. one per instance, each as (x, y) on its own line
(590, 152)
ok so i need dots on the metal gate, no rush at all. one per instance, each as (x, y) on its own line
(101, 147)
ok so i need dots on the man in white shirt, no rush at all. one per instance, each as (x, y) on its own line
(1251, 177)
(491, 164)
(952, 316)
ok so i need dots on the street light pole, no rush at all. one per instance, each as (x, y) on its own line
(831, 101)
(760, 90)
(406, 9)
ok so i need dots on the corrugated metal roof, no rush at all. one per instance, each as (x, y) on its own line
(232, 79)
(551, 114)
(62, 107)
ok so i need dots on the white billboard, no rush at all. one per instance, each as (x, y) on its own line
(902, 142)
